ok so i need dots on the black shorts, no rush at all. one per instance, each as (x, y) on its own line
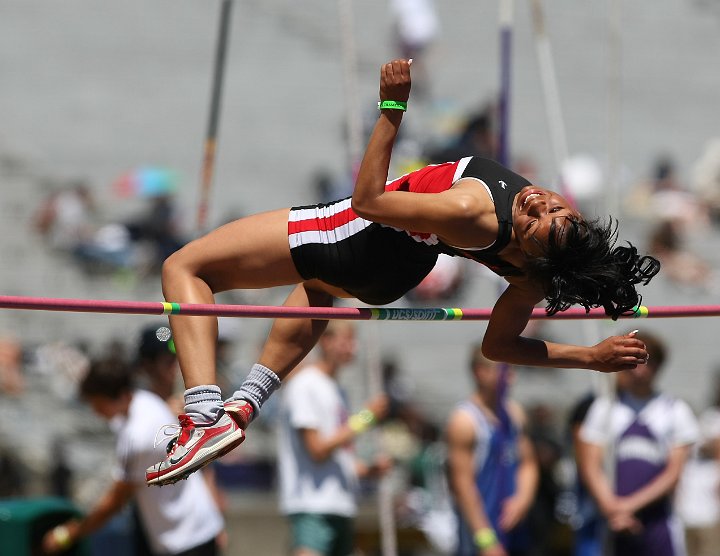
(374, 263)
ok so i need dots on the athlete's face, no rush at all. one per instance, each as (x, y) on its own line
(535, 209)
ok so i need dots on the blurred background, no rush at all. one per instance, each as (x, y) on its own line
(104, 109)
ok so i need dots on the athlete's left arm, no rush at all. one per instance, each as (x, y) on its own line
(503, 340)
(445, 214)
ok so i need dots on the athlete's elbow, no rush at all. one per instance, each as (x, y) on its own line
(362, 206)
(494, 351)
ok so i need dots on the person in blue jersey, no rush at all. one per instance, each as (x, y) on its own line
(492, 470)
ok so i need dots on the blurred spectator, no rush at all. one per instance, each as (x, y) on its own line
(649, 436)
(68, 220)
(545, 528)
(664, 196)
(179, 520)
(317, 467)
(157, 365)
(698, 500)
(707, 177)
(398, 389)
(62, 366)
(582, 180)
(427, 504)
(586, 520)
(327, 187)
(679, 265)
(477, 138)
(12, 382)
(492, 469)
(416, 26)
(676, 213)
(61, 475)
(158, 229)
(444, 283)
(109, 248)
(12, 477)
(65, 217)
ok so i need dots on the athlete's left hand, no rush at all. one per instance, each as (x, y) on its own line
(395, 81)
(618, 353)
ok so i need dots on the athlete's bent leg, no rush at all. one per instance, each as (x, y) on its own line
(249, 253)
(289, 341)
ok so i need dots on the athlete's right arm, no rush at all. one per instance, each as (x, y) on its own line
(503, 340)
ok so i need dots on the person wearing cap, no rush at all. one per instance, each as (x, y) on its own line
(181, 520)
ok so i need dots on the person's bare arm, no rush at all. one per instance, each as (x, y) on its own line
(590, 467)
(109, 504)
(320, 448)
(517, 506)
(445, 214)
(461, 446)
(661, 486)
(503, 340)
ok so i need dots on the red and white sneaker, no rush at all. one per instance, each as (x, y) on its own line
(193, 447)
(241, 412)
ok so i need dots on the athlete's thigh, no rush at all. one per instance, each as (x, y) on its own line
(251, 252)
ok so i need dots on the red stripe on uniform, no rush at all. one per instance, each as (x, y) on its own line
(322, 224)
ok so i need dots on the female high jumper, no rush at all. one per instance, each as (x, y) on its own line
(377, 245)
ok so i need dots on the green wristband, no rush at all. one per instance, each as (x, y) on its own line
(392, 105)
(361, 421)
(485, 538)
(61, 535)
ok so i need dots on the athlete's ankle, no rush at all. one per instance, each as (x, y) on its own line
(259, 385)
(242, 411)
(203, 404)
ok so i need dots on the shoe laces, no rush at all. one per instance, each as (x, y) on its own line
(172, 432)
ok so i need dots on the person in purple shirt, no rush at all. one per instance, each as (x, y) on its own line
(648, 436)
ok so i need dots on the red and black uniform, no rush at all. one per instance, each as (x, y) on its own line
(377, 263)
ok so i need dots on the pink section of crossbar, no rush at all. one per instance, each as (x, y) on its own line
(346, 313)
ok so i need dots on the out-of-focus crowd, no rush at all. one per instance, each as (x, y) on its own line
(629, 470)
(631, 466)
(626, 468)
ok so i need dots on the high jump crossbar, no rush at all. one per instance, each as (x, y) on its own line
(325, 313)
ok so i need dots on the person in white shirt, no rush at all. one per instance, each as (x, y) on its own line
(318, 470)
(649, 436)
(698, 500)
(180, 520)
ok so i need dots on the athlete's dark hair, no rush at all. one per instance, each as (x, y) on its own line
(581, 265)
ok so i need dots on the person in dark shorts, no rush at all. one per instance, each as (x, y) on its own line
(377, 245)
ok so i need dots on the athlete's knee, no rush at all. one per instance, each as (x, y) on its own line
(319, 294)
(176, 266)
